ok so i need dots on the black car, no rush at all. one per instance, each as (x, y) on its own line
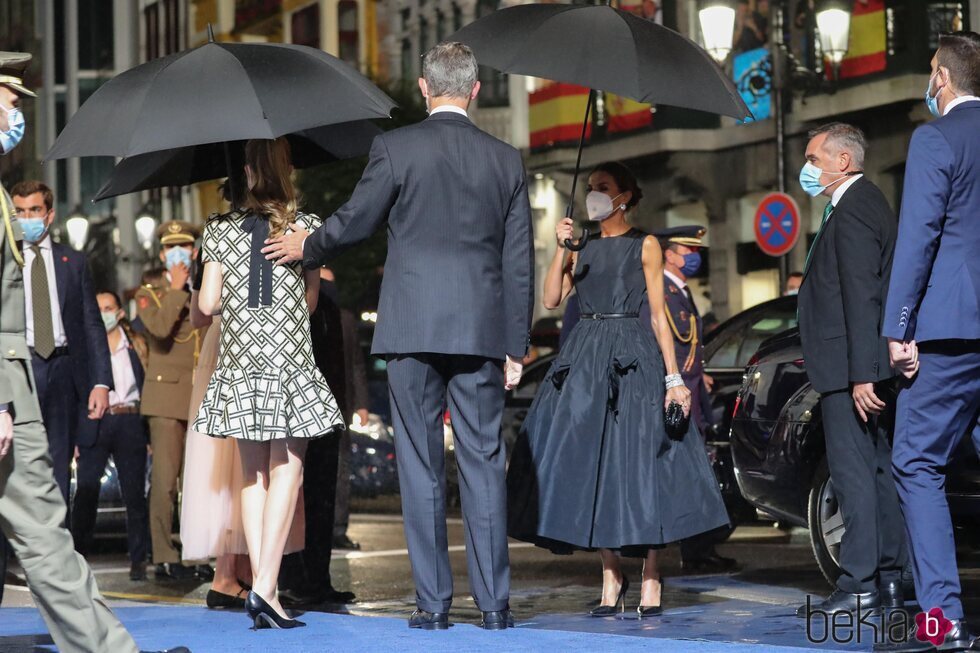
(778, 448)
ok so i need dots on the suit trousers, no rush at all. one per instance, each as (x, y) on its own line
(32, 516)
(124, 438)
(312, 565)
(936, 411)
(873, 548)
(342, 504)
(167, 437)
(59, 410)
(418, 386)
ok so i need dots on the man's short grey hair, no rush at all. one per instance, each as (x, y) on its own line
(449, 70)
(846, 138)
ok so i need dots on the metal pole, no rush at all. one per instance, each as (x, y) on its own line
(778, 50)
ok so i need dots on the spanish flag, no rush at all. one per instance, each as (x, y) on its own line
(866, 50)
(625, 115)
(556, 112)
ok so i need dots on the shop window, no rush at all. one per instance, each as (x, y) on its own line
(348, 32)
(305, 26)
(944, 17)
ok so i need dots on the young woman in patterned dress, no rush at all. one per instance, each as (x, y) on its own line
(266, 390)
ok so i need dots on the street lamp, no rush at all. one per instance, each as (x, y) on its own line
(146, 226)
(77, 225)
(834, 26)
(717, 19)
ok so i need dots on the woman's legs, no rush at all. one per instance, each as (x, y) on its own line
(225, 575)
(243, 569)
(650, 591)
(255, 472)
(612, 576)
(285, 478)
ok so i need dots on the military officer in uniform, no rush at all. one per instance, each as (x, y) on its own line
(32, 510)
(682, 259)
(164, 310)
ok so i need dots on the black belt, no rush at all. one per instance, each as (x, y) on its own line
(57, 351)
(608, 316)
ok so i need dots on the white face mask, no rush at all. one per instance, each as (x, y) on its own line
(600, 206)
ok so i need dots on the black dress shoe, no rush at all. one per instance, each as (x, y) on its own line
(652, 610)
(301, 597)
(497, 620)
(137, 571)
(957, 639)
(710, 564)
(173, 571)
(221, 601)
(344, 542)
(263, 615)
(10, 578)
(429, 620)
(892, 594)
(841, 601)
(204, 572)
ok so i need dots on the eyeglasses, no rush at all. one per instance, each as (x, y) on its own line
(32, 212)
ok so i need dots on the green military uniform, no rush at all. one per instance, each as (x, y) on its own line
(32, 511)
(174, 346)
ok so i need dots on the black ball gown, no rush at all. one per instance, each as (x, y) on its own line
(593, 465)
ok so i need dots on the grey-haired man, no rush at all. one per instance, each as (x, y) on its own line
(453, 321)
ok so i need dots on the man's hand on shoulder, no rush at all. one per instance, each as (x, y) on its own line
(287, 248)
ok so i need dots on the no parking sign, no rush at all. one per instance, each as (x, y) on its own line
(777, 224)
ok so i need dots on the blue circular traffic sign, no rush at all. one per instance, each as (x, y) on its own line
(777, 224)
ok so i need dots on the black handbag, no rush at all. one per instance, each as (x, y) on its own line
(675, 421)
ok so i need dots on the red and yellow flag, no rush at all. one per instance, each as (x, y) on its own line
(624, 114)
(867, 48)
(555, 114)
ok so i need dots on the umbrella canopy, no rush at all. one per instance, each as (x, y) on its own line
(215, 93)
(194, 163)
(603, 48)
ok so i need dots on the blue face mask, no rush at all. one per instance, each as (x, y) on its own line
(33, 228)
(932, 101)
(692, 263)
(11, 138)
(810, 179)
(177, 255)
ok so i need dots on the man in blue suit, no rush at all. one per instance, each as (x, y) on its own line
(932, 321)
(65, 334)
(453, 321)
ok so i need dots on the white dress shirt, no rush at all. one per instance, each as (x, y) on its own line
(960, 100)
(452, 108)
(839, 193)
(126, 391)
(680, 283)
(60, 340)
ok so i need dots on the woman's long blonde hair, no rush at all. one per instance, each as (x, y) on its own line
(272, 193)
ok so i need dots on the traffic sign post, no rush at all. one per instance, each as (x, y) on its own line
(777, 224)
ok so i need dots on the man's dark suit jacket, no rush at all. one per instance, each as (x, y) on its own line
(459, 273)
(842, 297)
(88, 429)
(84, 329)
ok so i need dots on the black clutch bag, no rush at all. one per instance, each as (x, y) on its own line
(675, 421)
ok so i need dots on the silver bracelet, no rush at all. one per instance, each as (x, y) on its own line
(673, 381)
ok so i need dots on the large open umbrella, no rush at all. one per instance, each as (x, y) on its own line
(602, 48)
(215, 93)
(194, 163)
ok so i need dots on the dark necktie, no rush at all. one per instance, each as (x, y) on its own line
(823, 222)
(41, 303)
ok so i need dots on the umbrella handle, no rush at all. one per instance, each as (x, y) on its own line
(578, 247)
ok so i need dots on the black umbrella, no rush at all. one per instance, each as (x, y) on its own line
(188, 165)
(215, 93)
(602, 48)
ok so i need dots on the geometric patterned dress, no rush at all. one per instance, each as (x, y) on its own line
(266, 385)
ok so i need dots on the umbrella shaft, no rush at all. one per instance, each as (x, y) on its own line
(578, 159)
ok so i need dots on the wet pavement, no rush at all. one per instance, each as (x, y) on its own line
(752, 606)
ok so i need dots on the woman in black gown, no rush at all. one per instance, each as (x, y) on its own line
(594, 466)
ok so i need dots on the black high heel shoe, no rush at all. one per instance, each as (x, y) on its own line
(619, 606)
(652, 610)
(263, 616)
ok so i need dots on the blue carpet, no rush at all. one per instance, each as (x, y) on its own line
(204, 631)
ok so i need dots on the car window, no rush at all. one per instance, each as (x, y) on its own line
(762, 329)
(726, 353)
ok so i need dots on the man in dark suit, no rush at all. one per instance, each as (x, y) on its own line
(454, 315)
(840, 309)
(69, 353)
(120, 434)
(932, 320)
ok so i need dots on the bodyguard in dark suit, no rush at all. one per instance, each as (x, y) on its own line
(455, 303)
(69, 353)
(932, 318)
(840, 308)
